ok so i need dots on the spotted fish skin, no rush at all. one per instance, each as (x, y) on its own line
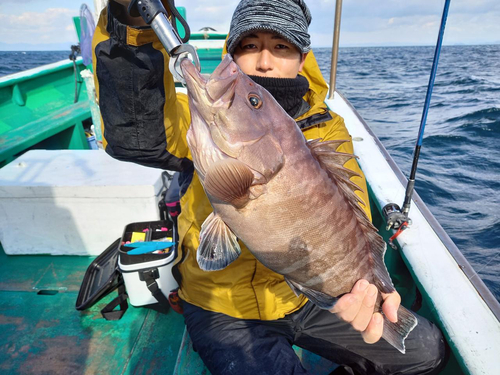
(289, 200)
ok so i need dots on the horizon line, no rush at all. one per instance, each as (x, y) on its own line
(313, 47)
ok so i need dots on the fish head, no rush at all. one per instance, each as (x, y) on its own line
(235, 113)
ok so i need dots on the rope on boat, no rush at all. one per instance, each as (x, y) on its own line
(396, 235)
(75, 50)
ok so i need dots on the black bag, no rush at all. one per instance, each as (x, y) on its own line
(101, 278)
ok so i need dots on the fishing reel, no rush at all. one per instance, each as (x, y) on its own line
(153, 12)
(395, 219)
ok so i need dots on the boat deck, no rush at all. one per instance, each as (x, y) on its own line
(42, 333)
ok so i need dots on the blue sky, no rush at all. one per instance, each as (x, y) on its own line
(47, 24)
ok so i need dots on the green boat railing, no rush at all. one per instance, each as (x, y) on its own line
(37, 110)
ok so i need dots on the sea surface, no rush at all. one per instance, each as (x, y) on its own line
(458, 174)
(459, 169)
(17, 61)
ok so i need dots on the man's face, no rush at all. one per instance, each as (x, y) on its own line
(267, 54)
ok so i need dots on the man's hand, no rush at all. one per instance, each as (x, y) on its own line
(358, 306)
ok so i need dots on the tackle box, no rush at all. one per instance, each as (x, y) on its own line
(148, 277)
(144, 279)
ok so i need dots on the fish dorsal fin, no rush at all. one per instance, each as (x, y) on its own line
(326, 152)
(229, 180)
(332, 162)
(332, 144)
(218, 245)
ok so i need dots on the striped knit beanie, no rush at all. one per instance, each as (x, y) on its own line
(288, 18)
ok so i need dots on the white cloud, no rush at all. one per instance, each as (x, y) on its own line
(16, 1)
(411, 22)
(364, 22)
(54, 25)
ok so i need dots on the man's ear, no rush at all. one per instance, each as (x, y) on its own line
(302, 60)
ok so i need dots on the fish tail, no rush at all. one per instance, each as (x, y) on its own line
(396, 333)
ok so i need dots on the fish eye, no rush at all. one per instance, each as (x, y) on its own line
(255, 101)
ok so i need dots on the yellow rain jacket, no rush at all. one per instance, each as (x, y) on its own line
(145, 121)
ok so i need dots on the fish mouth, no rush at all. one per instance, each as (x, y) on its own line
(221, 86)
(219, 89)
(194, 80)
(209, 100)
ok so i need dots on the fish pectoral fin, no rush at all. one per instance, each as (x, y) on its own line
(229, 180)
(320, 299)
(396, 333)
(218, 245)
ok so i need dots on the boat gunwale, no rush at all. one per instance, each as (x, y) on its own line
(200, 35)
(39, 71)
(464, 265)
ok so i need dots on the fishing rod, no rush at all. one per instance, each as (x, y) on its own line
(396, 217)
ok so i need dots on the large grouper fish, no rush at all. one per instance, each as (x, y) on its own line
(289, 200)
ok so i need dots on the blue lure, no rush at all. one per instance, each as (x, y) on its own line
(147, 247)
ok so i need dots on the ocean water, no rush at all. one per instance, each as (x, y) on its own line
(459, 169)
(458, 174)
(17, 61)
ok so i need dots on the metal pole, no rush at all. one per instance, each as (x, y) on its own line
(335, 48)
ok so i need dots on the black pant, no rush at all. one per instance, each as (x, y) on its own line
(234, 346)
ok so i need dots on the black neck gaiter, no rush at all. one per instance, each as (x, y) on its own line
(288, 92)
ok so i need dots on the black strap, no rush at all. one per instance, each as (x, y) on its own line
(109, 312)
(150, 277)
(177, 15)
(315, 119)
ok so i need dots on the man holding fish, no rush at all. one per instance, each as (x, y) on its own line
(245, 306)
